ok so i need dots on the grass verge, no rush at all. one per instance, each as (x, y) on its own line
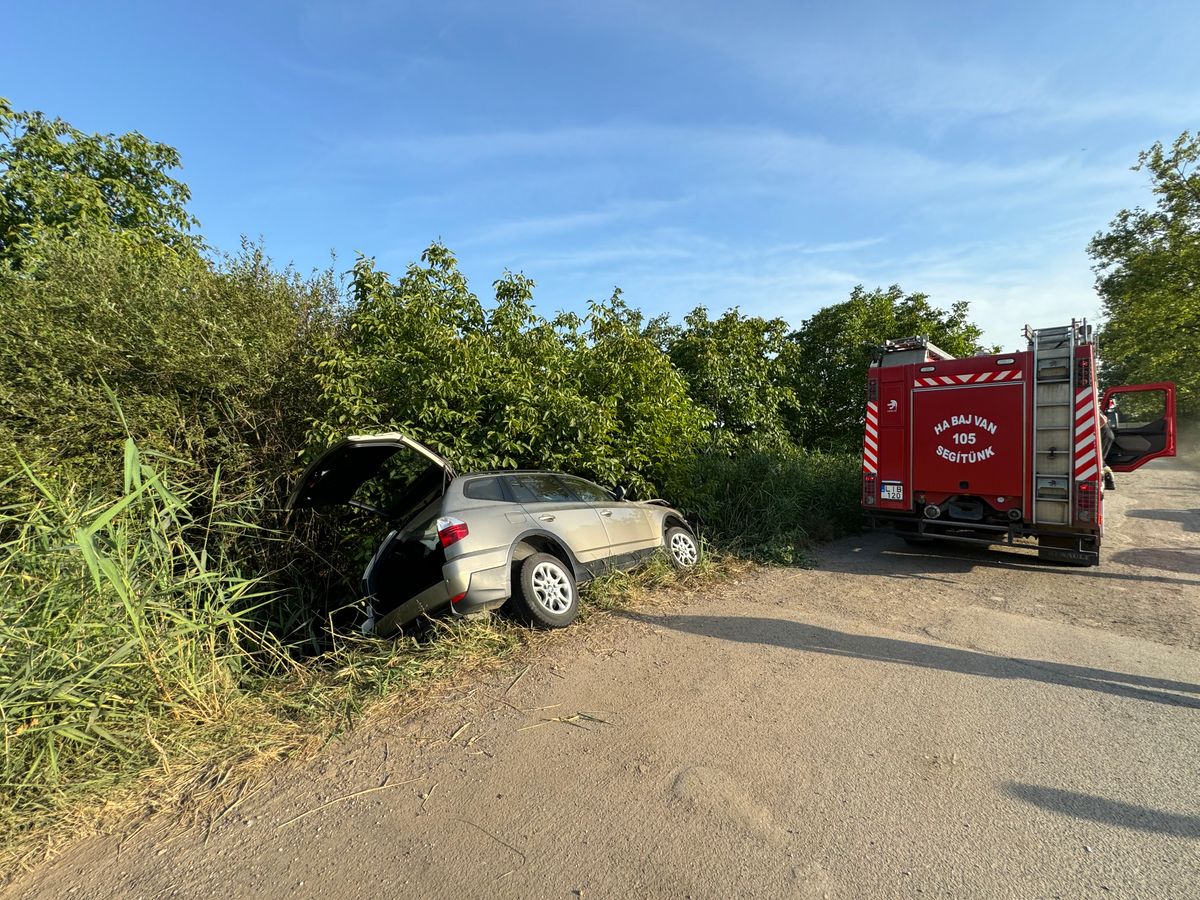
(134, 674)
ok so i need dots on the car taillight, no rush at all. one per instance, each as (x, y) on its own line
(451, 530)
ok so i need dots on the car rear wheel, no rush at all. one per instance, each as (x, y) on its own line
(547, 595)
(682, 549)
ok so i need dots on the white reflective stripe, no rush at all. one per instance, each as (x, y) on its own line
(1083, 395)
(1079, 461)
(1000, 376)
(1017, 375)
(931, 382)
(947, 380)
(986, 375)
(1080, 444)
(1082, 427)
(1083, 411)
(1084, 476)
(965, 378)
(871, 461)
(872, 443)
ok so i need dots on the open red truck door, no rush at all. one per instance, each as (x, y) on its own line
(1142, 418)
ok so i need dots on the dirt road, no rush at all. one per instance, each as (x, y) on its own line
(895, 723)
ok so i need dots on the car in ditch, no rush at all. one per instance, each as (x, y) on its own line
(480, 540)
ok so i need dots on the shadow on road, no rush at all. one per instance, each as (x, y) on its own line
(1188, 518)
(1169, 560)
(950, 559)
(1108, 812)
(814, 639)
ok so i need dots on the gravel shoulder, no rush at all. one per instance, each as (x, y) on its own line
(892, 723)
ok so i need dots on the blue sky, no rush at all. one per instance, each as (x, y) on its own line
(767, 155)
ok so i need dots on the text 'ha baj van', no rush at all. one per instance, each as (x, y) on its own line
(981, 422)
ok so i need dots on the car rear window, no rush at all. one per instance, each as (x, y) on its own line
(539, 487)
(484, 489)
(586, 490)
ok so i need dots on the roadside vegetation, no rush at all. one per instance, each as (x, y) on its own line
(162, 624)
(1148, 276)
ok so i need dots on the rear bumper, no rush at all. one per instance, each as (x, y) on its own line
(1080, 544)
(482, 579)
(483, 589)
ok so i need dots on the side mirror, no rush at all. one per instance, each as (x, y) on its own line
(619, 493)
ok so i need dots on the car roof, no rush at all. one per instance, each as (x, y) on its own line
(518, 472)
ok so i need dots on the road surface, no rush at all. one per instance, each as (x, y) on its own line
(893, 723)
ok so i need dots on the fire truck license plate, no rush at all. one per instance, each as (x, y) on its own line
(891, 490)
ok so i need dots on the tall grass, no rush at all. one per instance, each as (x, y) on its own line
(124, 631)
(774, 504)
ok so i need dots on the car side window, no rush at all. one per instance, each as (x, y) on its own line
(484, 489)
(539, 487)
(586, 490)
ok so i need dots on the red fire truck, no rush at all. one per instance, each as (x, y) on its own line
(1004, 447)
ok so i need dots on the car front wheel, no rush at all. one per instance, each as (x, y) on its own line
(548, 595)
(682, 549)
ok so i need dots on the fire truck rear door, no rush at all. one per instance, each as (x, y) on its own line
(1142, 417)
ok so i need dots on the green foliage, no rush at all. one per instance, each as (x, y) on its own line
(502, 387)
(125, 628)
(1148, 276)
(210, 364)
(57, 181)
(827, 358)
(733, 371)
(776, 504)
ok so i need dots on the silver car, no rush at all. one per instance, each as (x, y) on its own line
(474, 542)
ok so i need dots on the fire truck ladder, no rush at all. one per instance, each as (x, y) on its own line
(1053, 354)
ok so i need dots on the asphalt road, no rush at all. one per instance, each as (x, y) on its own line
(894, 723)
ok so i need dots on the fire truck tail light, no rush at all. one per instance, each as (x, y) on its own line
(932, 511)
(1086, 501)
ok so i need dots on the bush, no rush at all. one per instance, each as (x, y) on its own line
(776, 504)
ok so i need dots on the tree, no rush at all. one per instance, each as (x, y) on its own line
(1148, 276)
(500, 386)
(732, 370)
(827, 358)
(56, 181)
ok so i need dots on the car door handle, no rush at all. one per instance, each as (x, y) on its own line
(606, 512)
(546, 517)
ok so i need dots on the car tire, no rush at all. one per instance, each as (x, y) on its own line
(683, 550)
(546, 594)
